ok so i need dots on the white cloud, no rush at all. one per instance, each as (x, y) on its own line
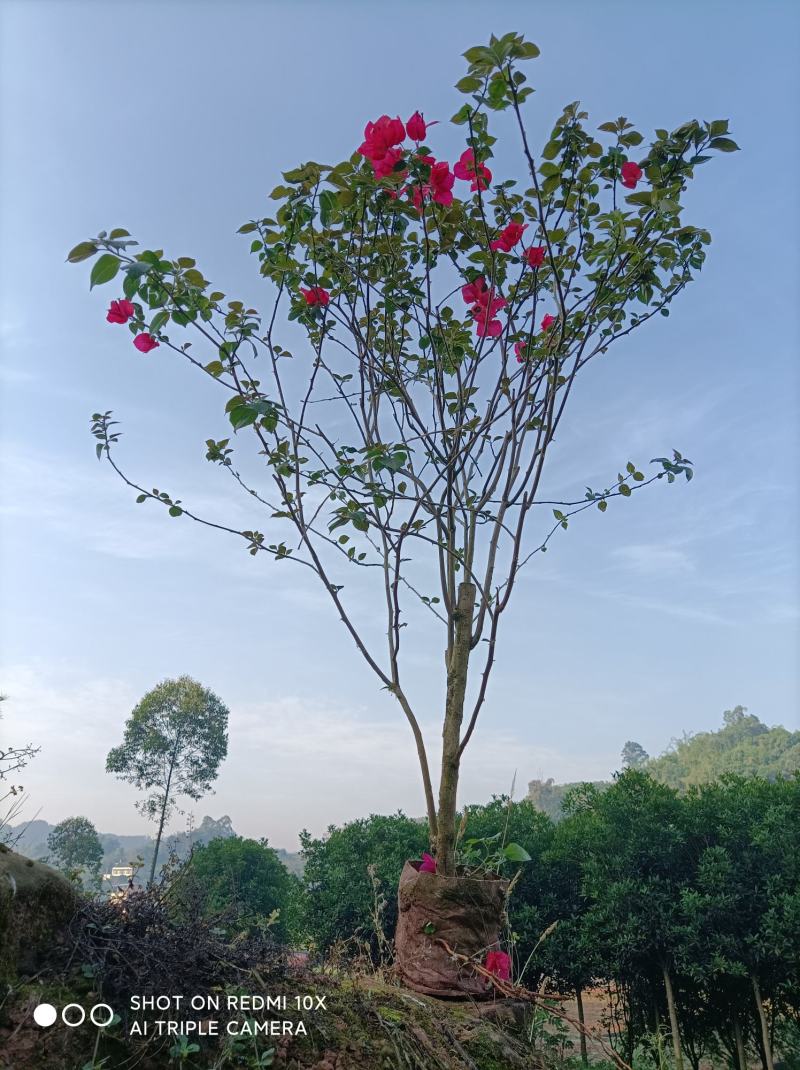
(652, 558)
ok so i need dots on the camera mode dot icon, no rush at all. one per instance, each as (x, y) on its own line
(45, 1014)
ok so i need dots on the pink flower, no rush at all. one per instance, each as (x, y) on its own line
(383, 167)
(120, 311)
(438, 188)
(145, 342)
(499, 964)
(535, 255)
(484, 313)
(485, 307)
(428, 863)
(631, 173)
(473, 290)
(315, 295)
(477, 173)
(441, 183)
(508, 237)
(548, 322)
(521, 350)
(416, 127)
(380, 137)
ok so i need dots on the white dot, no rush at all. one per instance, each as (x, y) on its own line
(45, 1014)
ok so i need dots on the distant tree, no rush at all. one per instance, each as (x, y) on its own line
(244, 876)
(744, 745)
(174, 742)
(76, 849)
(634, 755)
(634, 841)
(341, 894)
(746, 908)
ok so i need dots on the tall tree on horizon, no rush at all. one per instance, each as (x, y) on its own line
(175, 741)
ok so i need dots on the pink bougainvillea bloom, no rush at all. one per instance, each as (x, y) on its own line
(145, 342)
(484, 312)
(548, 322)
(477, 173)
(428, 863)
(485, 307)
(631, 173)
(473, 290)
(535, 255)
(315, 295)
(508, 237)
(521, 350)
(383, 167)
(380, 138)
(120, 311)
(416, 127)
(499, 964)
(441, 183)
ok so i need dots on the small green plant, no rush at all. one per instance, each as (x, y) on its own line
(182, 1049)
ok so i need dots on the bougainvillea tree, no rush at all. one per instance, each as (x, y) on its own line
(446, 313)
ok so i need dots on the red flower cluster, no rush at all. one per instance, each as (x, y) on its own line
(380, 139)
(498, 963)
(521, 350)
(548, 321)
(535, 255)
(316, 295)
(631, 173)
(120, 311)
(145, 342)
(439, 187)
(428, 863)
(508, 237)
(485, 307)
(477, 173)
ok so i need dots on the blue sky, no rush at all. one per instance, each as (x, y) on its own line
(174, 120)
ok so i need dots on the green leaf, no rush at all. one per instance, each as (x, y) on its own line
(469, 84)
(104, 270)
(328, 203)
(141, 498)
(119, 232)
(175, 510)
(242, 416)
(724, 144)
(158, 321)
(246, 228)
(82, 251)
(515, 853)
(602, 505)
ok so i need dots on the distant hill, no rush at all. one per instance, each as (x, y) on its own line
(30, 839)
(743, 745)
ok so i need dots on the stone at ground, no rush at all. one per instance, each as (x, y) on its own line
(36, 903)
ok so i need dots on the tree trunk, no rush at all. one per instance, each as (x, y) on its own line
(579, 1001)
(740, 1052)
(673, 1020)
(763, 1020)
(164, 811)
(457, 664)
